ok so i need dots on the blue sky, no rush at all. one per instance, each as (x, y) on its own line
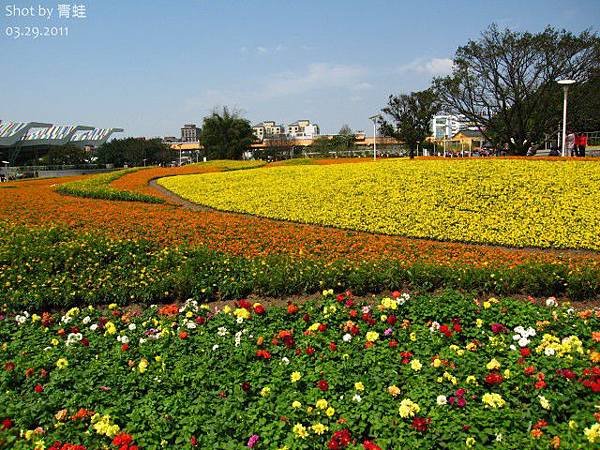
(150, 66)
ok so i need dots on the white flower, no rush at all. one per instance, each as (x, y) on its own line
(190, 325)
(441, 400)
(571, 311)
(512, 347)
(366, 309)
(86, 320)
(20, 319)
(239, 320)
(285, 360)
(347, 337)
(435, 326)
(548, 351)
(238, 338)
(222, 331)
(124, 340)
(551, 301)
(94, 327)
(216, 346)
(499, 437)
(519, 330)
(73, 338)
(142, 340)
(530, 332)
(523, 342)
(132, 326)
(357, 398)
(66, 319)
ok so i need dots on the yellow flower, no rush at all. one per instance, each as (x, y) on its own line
(319, 428)
(389, 303)
(54, 342)
(372, 336)
(227, 309)
(408, 408)
(296, 404)
(330, 411)
(189, 314)
(487, 305)
(544, 402)
(479, 323)
(300, 431)
(39, 445)
(593, 433)
(470, 442)
(507, 373)
(112, 306)
(241, 313)
(493, 400)
(158, 358)
(359, 386)
(35, 318)
(572, 424)
(264, 392)
(416, 365)
(393, 390)
(437, 362)
(471, 346)
(321, 403)
(143, 365)
(62, 363)
(413, 336)
(110, 328)
(314, 326)
(493, 365)
(295, 376)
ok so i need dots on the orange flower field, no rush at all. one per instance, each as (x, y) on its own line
(35, 203)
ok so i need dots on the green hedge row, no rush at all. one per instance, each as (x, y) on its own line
(99, 187)
(49, 268)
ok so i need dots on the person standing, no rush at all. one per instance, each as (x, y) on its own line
(570, 143)
(581, 143)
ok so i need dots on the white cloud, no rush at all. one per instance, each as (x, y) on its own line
(432, 67)
(262, 50)
(316, 76)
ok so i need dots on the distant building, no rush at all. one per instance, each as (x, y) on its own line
(303, 128)
(169, 139)
(444, 126)
(190, 133)
(268, 129)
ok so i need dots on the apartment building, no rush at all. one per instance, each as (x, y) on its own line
(190, 133)
(303, 129)
(268, 129)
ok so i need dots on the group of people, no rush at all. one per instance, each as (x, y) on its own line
(576, 143)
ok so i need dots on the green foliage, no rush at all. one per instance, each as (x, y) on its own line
(133, 151)
(168, 377)
(226, 135)
(66, 154)
(506, 82)
(98, 186)
(49, 268)
(408, 117)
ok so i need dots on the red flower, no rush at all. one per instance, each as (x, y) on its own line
(370, 445)
(369, 344)
(29, 372)
(566, 373)
(540, 424)
(310, 351)
(349, 303)
(498, 328)
(263, 354)
(306, 318)
(393, 343)
(292, 309)
(7, 424)
(322, 327)
(420, 424)
(396, 294)
(245, 304)
(353, 313)
(457, 327)
(39, 388)
(494, 378)
(332, 346)
(9, 366)
(124, 347)
(339, 440)
(193, 441)
(323, 385)
(183, 335)
(122, 439)
(525, 352)
(340, 298)
(541, 384)
(391, 320)
(245, 386)
(259, 309)
(445, 331)
(200, 320)
(85, 342)
(530, 370)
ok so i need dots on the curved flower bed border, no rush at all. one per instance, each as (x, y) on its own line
(405, 372)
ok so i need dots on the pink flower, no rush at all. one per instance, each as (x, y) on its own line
(253, 440)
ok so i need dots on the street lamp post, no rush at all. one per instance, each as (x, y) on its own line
(374, 119)
(565, 84)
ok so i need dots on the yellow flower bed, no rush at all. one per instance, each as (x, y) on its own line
(508, 202)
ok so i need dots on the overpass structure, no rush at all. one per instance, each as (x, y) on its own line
(17, 138)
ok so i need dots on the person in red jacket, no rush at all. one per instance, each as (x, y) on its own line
(581, 144)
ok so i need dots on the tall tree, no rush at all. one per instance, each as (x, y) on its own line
(506, 81)
(133, 151)
(226, 135)
(407, 117)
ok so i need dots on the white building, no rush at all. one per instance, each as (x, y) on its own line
(303, 129)
(447, 125)
(268, 129)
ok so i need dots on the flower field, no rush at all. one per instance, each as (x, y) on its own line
(400, 372)
(517, 203)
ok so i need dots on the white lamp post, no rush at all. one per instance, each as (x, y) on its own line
(565, 84)
(374, 119)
